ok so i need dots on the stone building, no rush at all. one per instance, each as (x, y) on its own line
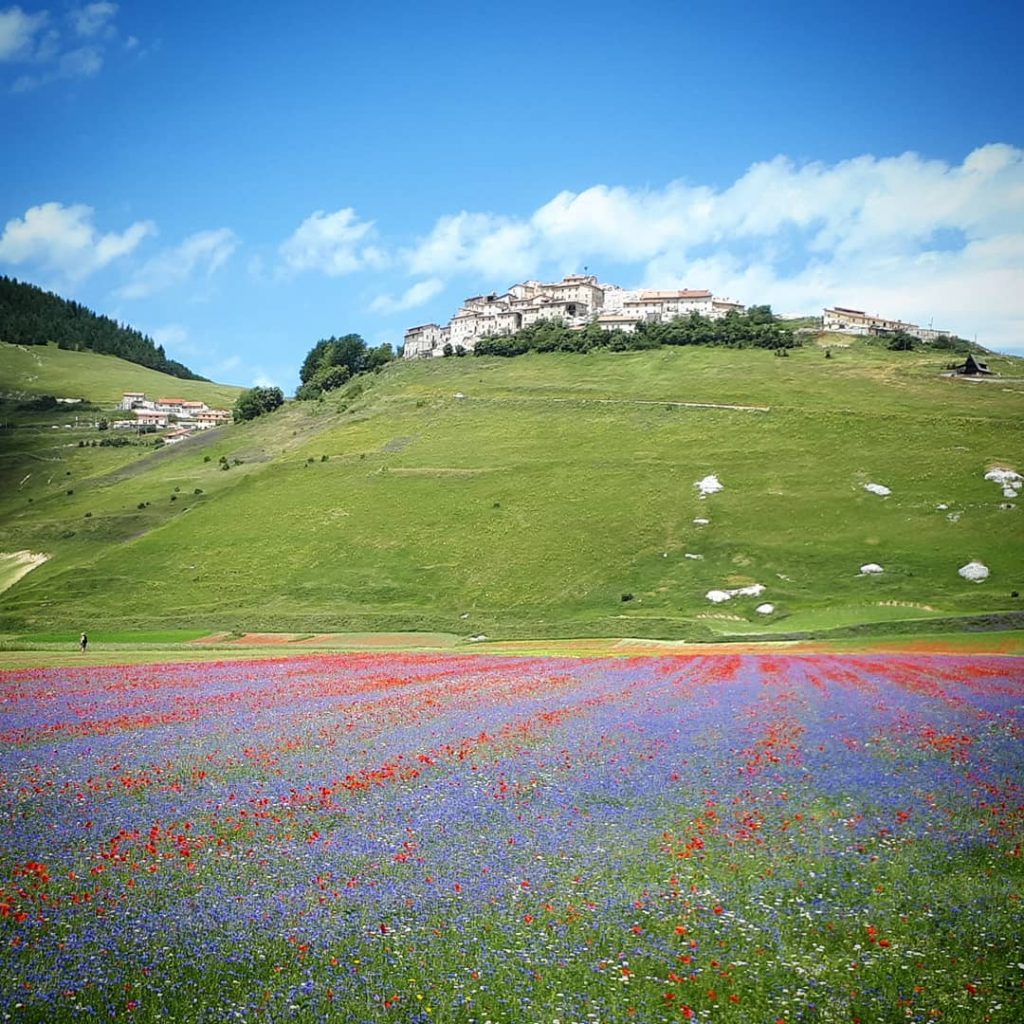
(576, 300)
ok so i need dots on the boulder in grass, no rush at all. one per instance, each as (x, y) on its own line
(974, 571)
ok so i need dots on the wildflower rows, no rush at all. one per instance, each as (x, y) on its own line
(425, 838)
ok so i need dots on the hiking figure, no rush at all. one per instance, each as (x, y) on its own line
(83, 643)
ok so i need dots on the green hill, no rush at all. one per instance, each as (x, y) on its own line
(551, 495)
(31, 316)
(43, 449)
(27, 370)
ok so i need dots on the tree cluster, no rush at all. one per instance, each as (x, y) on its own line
(900, 341)
(951, 343)
(31, 316)
(333, 361)
(255, 402)
(757, 328)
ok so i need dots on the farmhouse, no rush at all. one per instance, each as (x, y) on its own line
(150, 418)
(132, 400)
(856, 321)
(211, 418)
(157, 412)
(175, 406)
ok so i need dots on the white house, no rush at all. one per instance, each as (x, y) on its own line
(545, 308)
(425, 340)
(723, 307)
(856, 321)
(469, 325)
(210, 418)
(659, 306)
(624, 322)
(132, 400)
(145, 418)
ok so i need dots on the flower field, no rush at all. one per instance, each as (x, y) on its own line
(423, 838)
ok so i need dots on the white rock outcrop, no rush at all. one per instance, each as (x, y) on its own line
(709, 485)
(1009, 479)
(718, 596)
(975, 571)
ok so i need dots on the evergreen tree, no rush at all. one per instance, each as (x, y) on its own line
(31, 316)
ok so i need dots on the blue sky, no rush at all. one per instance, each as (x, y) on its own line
(240, 181)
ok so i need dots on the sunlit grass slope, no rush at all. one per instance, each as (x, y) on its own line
(102, 379)
(40, 454)
(556, 497)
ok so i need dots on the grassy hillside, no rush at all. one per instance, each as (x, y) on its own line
(48, 370)
(557, 486)
(40, 450)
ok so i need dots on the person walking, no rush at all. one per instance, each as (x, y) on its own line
(83, 643)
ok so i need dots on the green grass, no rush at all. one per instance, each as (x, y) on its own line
(557, 485)
(102, 379)
(43, 454)
(121, 637)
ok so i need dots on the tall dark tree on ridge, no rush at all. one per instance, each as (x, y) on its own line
(31, 316)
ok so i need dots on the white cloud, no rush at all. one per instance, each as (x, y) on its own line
(623, 225)
(93, 19)
(203, 252)
(73, 48)
(18, 33)
(920, 239)
(334, 244)
(54, 237)
(479, 243)
(420, 292)
(81, 63)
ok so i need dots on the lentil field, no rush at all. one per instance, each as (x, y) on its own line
(426, 838)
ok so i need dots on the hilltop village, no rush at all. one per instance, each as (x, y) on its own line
(576, 300)
(579, 300)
